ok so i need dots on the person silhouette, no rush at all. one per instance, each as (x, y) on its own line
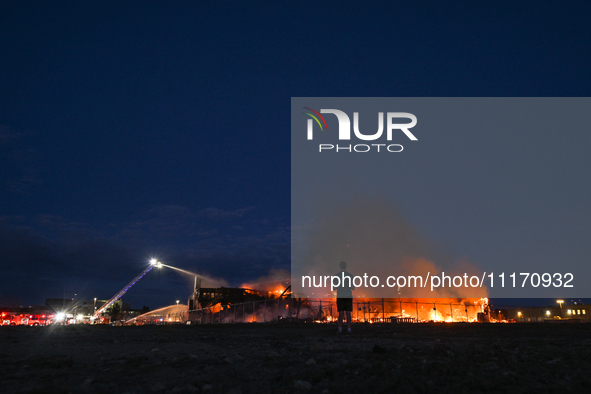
(345, 297)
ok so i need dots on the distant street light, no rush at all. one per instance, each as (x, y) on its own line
(177, 302)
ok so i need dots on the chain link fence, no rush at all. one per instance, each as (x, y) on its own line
(325, 311)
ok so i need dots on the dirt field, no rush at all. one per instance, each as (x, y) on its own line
(292, 358)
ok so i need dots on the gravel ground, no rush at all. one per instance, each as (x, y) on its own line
(297, 358)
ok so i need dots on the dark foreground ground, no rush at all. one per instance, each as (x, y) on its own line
(292, 358)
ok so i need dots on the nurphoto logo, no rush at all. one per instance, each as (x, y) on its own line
(344, 133)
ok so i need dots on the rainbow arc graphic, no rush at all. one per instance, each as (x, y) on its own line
(316, 118)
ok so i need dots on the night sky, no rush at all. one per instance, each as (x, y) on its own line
(144, 129)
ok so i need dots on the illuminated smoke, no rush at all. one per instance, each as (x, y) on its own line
(372, 237)
(275, 282)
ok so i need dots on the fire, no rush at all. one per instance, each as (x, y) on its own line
(277, 292)
(365, 310)
(328, 319)
(275, 283)
(369, 310)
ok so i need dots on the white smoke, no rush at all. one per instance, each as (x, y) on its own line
(374, 238)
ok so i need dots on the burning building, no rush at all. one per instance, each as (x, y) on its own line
(226, 295)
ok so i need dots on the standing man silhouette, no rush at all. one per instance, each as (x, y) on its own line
(345, 297)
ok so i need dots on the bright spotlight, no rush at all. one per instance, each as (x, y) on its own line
(153, 261)
(158, 264)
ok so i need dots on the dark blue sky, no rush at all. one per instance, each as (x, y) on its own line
(146, 128)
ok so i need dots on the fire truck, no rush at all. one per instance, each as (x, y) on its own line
(26, 320)
(6, 319)
(10, 320)
(36, 320)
